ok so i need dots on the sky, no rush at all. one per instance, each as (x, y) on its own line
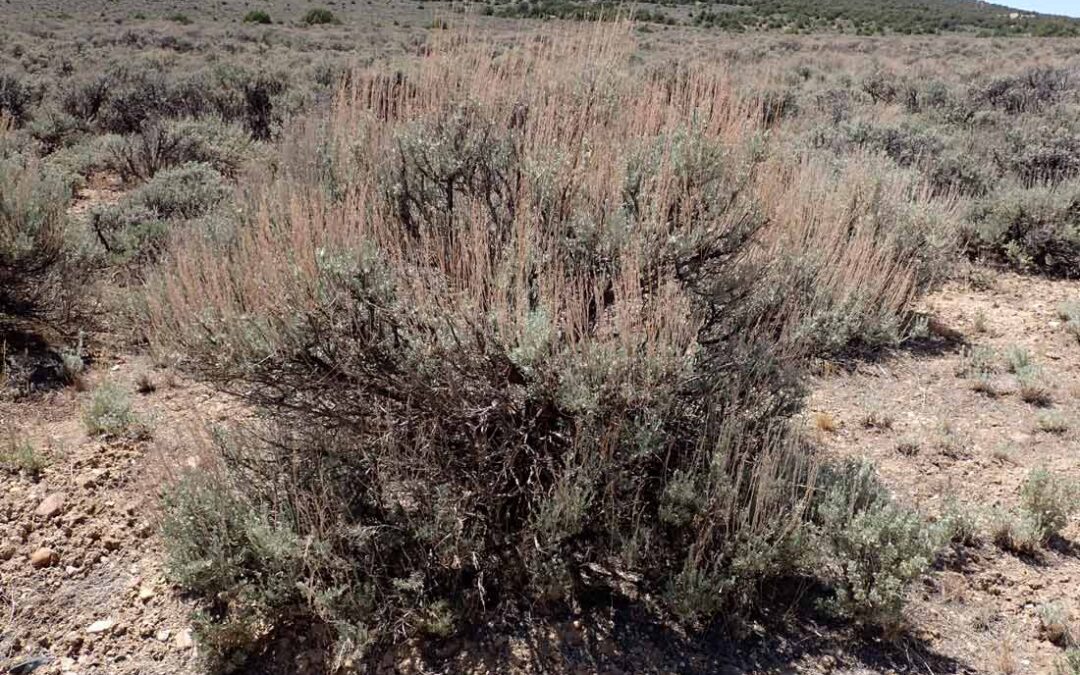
(1065, 7)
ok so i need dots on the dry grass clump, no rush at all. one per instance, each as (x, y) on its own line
(522, 318)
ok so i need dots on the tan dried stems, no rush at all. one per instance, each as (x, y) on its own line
(580, 115)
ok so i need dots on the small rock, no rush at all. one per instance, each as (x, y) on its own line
(183, 640)
(43, 557)
(7, 552)
(163, 635)
(51, 505)
(100, 626)
(146, 592)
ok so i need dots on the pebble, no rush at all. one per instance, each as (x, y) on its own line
(51, 505)
(183, 640)
(43, 557)
(163, 635)
(7, 552)
(100, 626)
(145, 593)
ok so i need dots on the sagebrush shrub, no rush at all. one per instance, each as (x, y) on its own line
(1049, 500)
(158, 146)
(1036, 229)
(509, 330)
(109, 413)
(15, 99)
(257, 16)
(1041, 156)
(1030, 91)
(319, 16)
(875, 547)
(18, 455)
(137, 227)
(33, 235)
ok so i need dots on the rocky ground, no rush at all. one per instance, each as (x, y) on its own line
(939, 435)
(82, 588)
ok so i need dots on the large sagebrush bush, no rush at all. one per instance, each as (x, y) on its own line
(516, 322)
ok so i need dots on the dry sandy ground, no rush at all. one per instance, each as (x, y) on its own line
(101, 604)
(948, 441)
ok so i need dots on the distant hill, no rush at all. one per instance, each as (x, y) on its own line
(878, 16)
(864, 17)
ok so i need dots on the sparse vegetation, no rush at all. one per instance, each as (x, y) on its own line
(109, 413)
(1052, 423)
(33, 236)
(319, 16)
(18, 455)
(877, 418)
(257, 16)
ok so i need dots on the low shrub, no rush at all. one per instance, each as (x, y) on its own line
(1055, 624)
(137, 227)
(1016, 532)
(875, 548)
(1031, 91)
(1069, 664)
(15, 99)
(109, 413)
(512, 347)
(1042, 156)
(18, 455)
(1049, 500)
(317, 16)
(257, 16)
(141, 155)
(1034, 230)
(33, 236)
(959, 525)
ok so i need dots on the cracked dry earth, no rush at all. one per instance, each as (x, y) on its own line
(96, 601)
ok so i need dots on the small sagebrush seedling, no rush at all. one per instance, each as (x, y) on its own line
(145, 384)
(908, 447)
(877, 418)
(980, 362)
(1032, 386)
(1055, 624)
(959, 525)
(1017, 359)
(110, 413)
(979, 322)
(18, 455)
(1052, 423)
(1069, 313)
